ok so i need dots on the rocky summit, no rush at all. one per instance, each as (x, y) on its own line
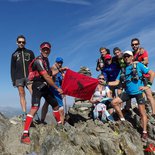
(79, 136)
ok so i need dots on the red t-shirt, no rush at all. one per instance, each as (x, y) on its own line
(140, 57)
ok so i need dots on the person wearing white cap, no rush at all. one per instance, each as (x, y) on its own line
(134, 88)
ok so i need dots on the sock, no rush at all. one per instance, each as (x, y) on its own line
(28, 121)
(56, 114)
(122, 119)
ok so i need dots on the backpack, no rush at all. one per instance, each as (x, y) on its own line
(134, 73)
(33, 73)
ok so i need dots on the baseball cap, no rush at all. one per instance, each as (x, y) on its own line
(45, 45)
(107, 56)
(59, 59)
(128, 52)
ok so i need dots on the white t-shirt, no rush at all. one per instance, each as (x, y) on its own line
(102, 94)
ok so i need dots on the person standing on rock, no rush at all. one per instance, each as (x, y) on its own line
(141, 55)
(20, 61)
(58, 75)
(134, 88)
(40, 73)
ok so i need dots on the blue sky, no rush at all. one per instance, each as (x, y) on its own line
(76, 29)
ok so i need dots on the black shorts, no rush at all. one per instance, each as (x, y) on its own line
(108, 105)
(126, 97)
(43, 92)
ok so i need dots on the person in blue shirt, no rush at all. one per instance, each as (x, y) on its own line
(57, 75)
(134, 89)
(110, 72)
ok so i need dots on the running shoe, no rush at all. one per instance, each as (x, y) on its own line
(25, 139)
(144, 137)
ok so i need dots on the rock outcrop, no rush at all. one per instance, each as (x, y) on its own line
(84, 138)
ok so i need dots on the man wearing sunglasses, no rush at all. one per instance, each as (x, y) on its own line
(20, 61)
(40, 86)
(134, 89)
(141, 55)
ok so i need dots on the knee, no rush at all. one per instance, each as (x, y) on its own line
(56, 108)
(22, 93)
(115, 102)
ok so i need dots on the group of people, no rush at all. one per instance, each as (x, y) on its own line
(123, 77)
(127, 76)
(41, 80)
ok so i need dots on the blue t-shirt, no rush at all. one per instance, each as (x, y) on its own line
(110, 72)
(132, 86)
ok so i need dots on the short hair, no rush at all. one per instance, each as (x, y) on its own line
(100, 75)
(21, 36)
(103, 48)
(115, 49)
(135, 39)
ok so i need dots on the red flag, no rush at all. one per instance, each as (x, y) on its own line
(78, 85)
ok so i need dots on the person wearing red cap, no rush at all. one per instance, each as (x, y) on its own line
(110, 71)
(40, 88)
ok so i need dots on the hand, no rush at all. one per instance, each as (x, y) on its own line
(96, 101)
(60, 90)
(144, 88)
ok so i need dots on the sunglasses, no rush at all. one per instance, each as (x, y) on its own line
(127, 56)
(135, 44)
(21, 42)
(101, 78)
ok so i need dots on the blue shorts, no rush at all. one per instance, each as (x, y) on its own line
(57, 96)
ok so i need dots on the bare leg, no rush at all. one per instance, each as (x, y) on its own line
(142, 111)
(116, 104)
(30, 88)
(62, 117)
(22, 98)
(149, 96)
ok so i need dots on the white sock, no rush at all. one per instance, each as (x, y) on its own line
(122, 119)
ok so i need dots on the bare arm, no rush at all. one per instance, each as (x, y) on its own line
(145, 61)
(50, 81)
(113, 83)
(152, 75)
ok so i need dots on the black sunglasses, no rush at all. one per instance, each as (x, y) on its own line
(101, 78)
(21, 42)
(135, 44)
(127, 55)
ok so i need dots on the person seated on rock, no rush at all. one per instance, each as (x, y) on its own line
(101, 100)
(134, 88)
